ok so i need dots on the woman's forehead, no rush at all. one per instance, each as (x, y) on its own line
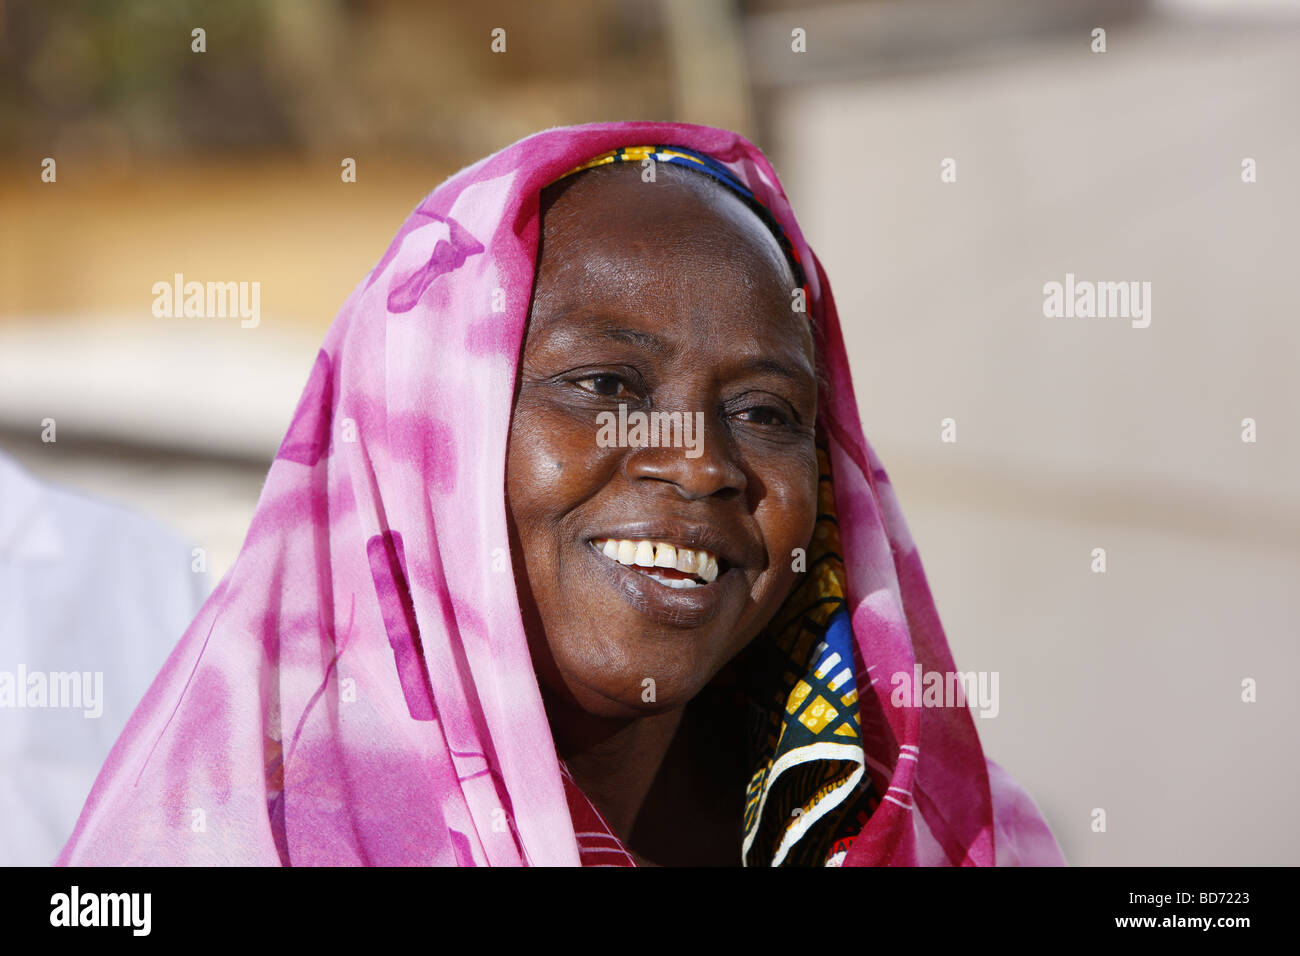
(687, 212)
(619, 299)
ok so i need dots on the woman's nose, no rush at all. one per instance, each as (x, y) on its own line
(699, 459)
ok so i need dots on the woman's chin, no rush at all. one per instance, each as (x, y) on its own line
(635, 690)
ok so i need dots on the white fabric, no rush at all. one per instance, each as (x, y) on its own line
(85, 587)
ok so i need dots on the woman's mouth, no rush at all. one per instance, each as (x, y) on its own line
(667, 577)
(666, 563)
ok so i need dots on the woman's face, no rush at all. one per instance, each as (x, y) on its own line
(666, 297)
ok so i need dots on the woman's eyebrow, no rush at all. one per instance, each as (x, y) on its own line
(647, 340)
(572, 335)
(800, 373)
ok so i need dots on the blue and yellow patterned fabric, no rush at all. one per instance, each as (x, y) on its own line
(809, 793)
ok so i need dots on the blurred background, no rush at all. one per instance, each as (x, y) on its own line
(1120, 691)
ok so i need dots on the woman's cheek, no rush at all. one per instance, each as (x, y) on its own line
(788, 516)
(540, 451)
(555, 462)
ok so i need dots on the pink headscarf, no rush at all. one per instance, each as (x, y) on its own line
(359, 689)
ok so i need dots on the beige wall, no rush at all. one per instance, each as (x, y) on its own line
(1119, 690)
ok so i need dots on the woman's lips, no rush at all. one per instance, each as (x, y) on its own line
(687, 594)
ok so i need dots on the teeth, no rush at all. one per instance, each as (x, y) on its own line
(661, 554)
(682, 583)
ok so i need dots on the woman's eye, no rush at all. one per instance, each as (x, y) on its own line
(765, 415)
(606, 385)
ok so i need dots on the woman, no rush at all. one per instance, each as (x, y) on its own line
(484, 617)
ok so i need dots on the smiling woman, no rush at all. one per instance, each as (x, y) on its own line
(646, 563)
(643, 651)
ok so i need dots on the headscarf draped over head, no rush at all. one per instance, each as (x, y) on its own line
(358, 689)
